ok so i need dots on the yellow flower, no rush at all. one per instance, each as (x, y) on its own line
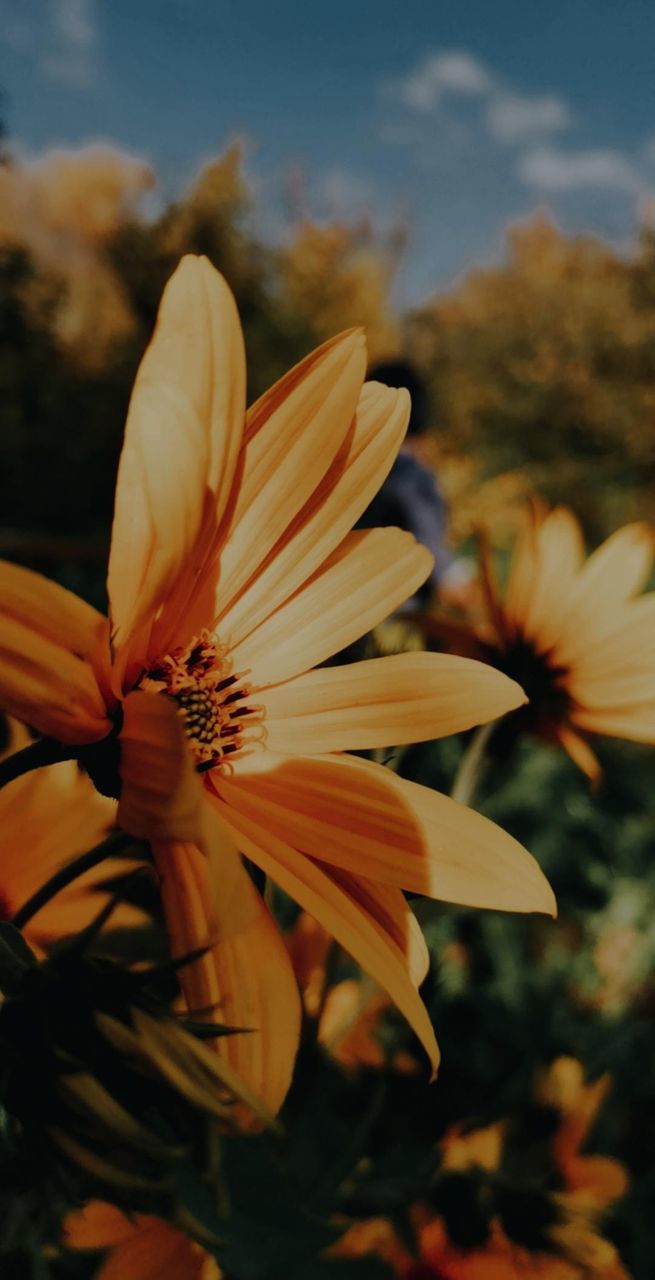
(233, 573)
(576, 633)
(141, 1247)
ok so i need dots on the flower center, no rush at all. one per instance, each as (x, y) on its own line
(543, 681)
(213, 702)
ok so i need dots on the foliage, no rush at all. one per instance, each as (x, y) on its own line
(546, 363)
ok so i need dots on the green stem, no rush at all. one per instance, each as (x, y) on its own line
(44, 751)
(114, 844)
(472, 764)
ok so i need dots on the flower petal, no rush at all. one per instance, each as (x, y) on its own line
(54, 815)
(347, 910)
(49, 687)
(55, 613)
(632, 720)
(631, 685)
(289, 455)
(161, 796)
(522, 570)
(559, 552)
(627, 640)
(613, 573)
(358, 470)
(182, 438)
(246, 974)
(75, 909)
(365, 819)
(97, 1226)
(580, 752)
(365, 579)
(389, 907)
(156, 1251)
(408, 697)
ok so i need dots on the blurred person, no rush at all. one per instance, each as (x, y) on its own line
(410, 497)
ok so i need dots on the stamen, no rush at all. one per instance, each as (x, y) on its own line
(195, 678)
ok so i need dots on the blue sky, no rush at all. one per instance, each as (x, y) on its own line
(457, 115)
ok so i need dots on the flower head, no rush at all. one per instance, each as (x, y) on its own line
(233, 575)
(504, 1226)
(574, 631)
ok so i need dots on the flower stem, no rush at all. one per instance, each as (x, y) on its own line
(44, 751)
(472, 764)
(114, 844)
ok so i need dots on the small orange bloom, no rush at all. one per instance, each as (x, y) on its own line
(577, 1249)
(233, 573)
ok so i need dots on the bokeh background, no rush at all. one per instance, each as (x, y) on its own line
(474, 184)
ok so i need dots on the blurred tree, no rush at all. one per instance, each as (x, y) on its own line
(336, 276)
(211, 219)
(548, 363)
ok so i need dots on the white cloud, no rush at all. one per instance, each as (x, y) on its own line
(344, 193)
(71, 54)
(554, 170)
(455, 72)
(511, 118)
(514, 118)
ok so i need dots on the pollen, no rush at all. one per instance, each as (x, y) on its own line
(214, 703)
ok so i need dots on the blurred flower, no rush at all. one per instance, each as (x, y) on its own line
(141, 1246)
(47, 818)
(232, 573)
(601, 1178)
(574, 632)
(438, 1259)
(349, 1012)
(565, 1241)
(499, 1259)
(477, 1148)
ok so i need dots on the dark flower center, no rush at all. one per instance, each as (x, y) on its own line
(543, 681)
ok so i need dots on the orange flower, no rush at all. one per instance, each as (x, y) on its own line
(598, 1178)
(575, 632)
(142, 1247)
(47, 819)
(497, 1259)
(438, 1259)
(232, 573)
(578, 1251)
